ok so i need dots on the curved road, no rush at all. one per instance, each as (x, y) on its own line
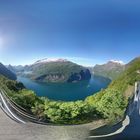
(126, 130)
(11, 130)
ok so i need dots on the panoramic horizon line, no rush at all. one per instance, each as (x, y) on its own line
(72, 59)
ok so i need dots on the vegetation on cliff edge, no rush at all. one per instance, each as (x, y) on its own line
(108, 104)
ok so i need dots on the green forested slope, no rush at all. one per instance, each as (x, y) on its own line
(110, 70)
(55, 71)
(112, 102)
(109, 104)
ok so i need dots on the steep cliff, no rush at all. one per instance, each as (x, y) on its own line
(60, 70)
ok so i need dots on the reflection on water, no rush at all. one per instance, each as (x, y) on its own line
(67, 91)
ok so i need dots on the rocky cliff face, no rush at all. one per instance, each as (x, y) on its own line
(51, 78)
(82, 75)
(60, 70)
(74, 77)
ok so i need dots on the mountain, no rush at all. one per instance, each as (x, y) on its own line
(132, 62)
(15, 69)
(56, 70)
(10, 67)
(6, 72)
(133, 69)
(111, 69)
(114, 100)
(47, 60)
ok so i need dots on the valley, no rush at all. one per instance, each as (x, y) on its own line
(66, 91)
(109, 102)
(47, 71)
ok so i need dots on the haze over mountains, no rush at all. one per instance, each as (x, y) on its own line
(53, 70)
(111, 102)
(63, 70)
(6, 72)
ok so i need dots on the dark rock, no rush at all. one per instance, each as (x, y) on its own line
(82, 75)
(50, 78)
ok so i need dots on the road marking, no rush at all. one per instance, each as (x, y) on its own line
(5, 104)
(125, 123)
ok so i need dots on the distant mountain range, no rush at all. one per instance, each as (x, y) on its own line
(56, 70)
(110, 103)
(62, 70)
(6, 72)
(47, 60)
(112, 69)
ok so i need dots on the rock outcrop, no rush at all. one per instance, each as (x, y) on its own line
(82, 75)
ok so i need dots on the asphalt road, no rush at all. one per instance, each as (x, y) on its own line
(11, 130)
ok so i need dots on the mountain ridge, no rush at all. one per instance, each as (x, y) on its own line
(47, 60)
(112, 69)
(56, 70)
(6, 72)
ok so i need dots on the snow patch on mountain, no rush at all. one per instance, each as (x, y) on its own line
(117, 62)
(47, 60)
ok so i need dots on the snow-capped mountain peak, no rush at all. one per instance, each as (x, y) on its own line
(47, 60)
(117, 62)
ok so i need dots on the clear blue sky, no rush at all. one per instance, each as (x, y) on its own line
(85, 31)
